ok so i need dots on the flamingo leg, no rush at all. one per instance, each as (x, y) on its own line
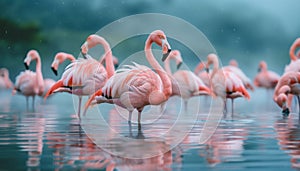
(185, 105)
(232, 105)
(225, 106)
(33, 98)
(79, 106)
(139, 115)
(129, 116)
(298, 97)
(27, 102)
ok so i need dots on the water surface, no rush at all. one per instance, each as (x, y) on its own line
(51, 138)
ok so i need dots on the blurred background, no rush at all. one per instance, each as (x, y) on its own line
(248, 31)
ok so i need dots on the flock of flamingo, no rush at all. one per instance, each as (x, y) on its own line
(135, 86)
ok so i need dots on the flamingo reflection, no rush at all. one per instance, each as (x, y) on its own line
(81, 152)
(288, 135)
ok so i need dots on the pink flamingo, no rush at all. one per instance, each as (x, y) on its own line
(5, 82)
(30, 83)
(83, 76)
(233, 67)
(289, 83)
(265, 78)
(136, 85)
(184, 83)
(225, 83)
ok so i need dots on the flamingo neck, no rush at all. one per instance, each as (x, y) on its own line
(108, 58)
(7, 81)
(167, 86)
(198, 68)
(167, 66)
(215, 63)
(293, 49)
(70, 57)
(39, 75)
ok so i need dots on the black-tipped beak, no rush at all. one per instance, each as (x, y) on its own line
(179, 65)
(26, 66)
(207, 70)
(165, 56)
(259, 69)
(116, 65)
(54, 71)
(84, 55)
(286, 112)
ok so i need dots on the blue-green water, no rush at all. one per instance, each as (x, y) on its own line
(51, 138)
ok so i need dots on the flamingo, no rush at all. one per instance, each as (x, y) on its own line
(184, 83)
(30, 83)
(136, 86)
(5, 82)
(289, 83)
(225, 83)
(85, 75)
(265, 78)
(233, 67)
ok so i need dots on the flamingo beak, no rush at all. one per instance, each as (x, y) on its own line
(54, 70)
(179, 65)
(26, 66)
(166, 49)
(207, 70)
(83, 54)
(259, 69)
(286, 112)
(116, 65)
(165, 55)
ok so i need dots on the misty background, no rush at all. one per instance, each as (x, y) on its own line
(248, 31)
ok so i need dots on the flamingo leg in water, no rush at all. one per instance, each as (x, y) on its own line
(185, 105)
(232, 105)
(225, 106)
(298, 97)
(27, 102)
(33, 97)
(139, 115)
(79, 106)
(129, 116)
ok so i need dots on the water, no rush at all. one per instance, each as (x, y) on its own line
(51, 138)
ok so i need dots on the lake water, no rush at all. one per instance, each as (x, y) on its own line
(52, 138)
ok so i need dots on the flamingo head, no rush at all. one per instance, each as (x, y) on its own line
(31, 55)
(176, 55)
(233, 62)
(91, 41)
(160, 39)
(115, 61)
(262, 66)
(281, 101)
(212, 59)
(60, 58)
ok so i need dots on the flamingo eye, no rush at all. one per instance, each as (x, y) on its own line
(161, 37)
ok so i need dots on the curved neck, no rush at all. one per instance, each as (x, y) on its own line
(198, 68)
(167, 86)
(215, 63)
(70, 57)
(108, 58)
(293, 49)
(167, 66)
(39, 75)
